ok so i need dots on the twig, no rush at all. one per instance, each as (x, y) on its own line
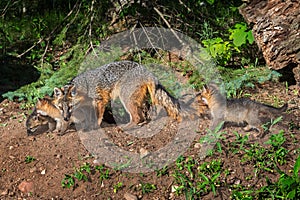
(52, 32)
(30, 48)
(90, 29)
(169, 26)
(5, 9)
(45, 51)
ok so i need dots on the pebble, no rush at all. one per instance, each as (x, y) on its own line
(26, 186)
(5, 192)
(33, 169)
(174, 187)
(96, 162)
(58, 156)
(197, 145)
(129, 196)
(43, 172)
(143, 152)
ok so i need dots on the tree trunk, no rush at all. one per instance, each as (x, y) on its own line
(276, 25)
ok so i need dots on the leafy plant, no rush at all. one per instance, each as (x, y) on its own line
(219, 49)
(270, 124)
(79, 174)
(193, 180)
(117, 187)
(104, 173)
(29, 159)
(68, 181)
(147, 188)
(163, 171)
(287, 187)
(241, 35)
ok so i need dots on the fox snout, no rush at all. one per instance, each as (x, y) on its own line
(67, 116)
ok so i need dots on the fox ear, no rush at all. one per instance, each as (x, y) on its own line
(57, 92)
(38, 102)
(39, 99)
(205, 88)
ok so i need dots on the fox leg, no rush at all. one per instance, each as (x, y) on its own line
(133, 104)
(51, 126)
(254, 123)
(101, 102)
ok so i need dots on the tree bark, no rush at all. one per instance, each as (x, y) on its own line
(276, 25)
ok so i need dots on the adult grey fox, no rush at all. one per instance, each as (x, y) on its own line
(236, 110)
(128, 80)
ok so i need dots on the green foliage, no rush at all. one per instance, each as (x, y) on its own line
(287, 187)
(223, 49)
(236, 79)
(195, 180)
(270, 124)
(162, 172)
(29, 159)
(241, 35)
(219, 49)
(68, 181)
(147, 188)
(117, 187)
(80, 174)
(104, 173)
(266, 159)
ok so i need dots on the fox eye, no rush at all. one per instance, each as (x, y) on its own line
(73, 91)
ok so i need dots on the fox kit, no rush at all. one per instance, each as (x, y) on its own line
(236, 110)
(35, 120)
(79, 111)
(127, 80)
(45, 107)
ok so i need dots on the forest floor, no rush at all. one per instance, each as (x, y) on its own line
(33, 167)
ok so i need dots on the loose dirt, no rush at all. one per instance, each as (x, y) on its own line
(57, 156)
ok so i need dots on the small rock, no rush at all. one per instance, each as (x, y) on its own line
(197, 145)
(31, 139)
(58, 156)
(173, 188)
(33, 169)
(143, 152)
(11, 194)
(96, 162)
(5, 192)
(11, 147)
(171, 196)
(43, 172)
(237, 182)
(26, 186)
(129, 196)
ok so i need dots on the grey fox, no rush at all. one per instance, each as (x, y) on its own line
(127, 80)
(236, 110)
(35, 120)
(45, 112)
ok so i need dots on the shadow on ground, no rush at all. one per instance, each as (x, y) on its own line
(15, 73)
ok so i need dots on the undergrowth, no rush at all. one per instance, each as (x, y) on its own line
(217, 25)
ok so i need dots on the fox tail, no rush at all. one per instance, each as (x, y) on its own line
(274, 110)
(160, 96)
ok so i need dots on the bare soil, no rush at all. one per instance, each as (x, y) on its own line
(57, 156)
